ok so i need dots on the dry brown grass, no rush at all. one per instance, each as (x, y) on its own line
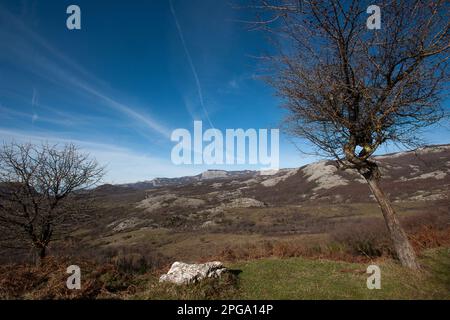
(355, 241)
(287, 249)
(48, 281)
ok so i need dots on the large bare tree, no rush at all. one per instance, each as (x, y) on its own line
(350, 89)
(43, 189)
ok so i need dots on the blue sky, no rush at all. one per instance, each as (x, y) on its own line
(136, 71)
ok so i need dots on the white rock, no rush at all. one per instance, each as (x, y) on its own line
(245, 203)
(188, 202)
(208, 224)
(125, 224)
(324, 175)
(235, 203)
(214, 174)
(439, 174)
(152, 203)
(286, 173)
(184, 273)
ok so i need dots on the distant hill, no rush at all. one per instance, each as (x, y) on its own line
(166, 182)
(423, 174)
(188, 218)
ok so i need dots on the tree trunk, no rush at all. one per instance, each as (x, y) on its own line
(403, 248)
(42, 253)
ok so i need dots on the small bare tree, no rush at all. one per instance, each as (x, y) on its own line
(349, 89)
(43, 189)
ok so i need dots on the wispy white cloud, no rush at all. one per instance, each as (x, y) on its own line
(130, 112)
(34, 98)
(34, 102)
(233, 84)
(191, 64)
(34, 118)
(123, 165)
(62, 118)
(49, 63)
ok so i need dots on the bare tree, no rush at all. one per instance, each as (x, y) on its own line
(349, 89)
(42, 190)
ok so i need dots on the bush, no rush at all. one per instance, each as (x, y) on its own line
(131, 260)
(367, 237)
(48, 281)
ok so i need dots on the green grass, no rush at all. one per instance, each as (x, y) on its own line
(301, 278)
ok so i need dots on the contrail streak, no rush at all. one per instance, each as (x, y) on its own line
(191, 64)
(52, 68)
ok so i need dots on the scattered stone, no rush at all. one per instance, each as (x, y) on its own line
(214, 174)
(152, 203)
(208, 224)
(324, 175)
(188, 202)
(439, 174)
(245, 203)
(285, 173)
(184, 273)
(126, 224)
(236, 203)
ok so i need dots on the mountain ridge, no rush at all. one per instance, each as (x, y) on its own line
(212, 174)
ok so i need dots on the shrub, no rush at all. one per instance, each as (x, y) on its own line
(132, 260)
(48, 281)
(367, 237)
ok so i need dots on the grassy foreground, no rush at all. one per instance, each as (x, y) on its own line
(269, 278)
(300, 278)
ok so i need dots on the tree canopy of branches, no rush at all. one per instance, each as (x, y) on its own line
(42, 191)
(350, 89)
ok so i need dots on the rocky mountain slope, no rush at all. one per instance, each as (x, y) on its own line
(206, 200)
